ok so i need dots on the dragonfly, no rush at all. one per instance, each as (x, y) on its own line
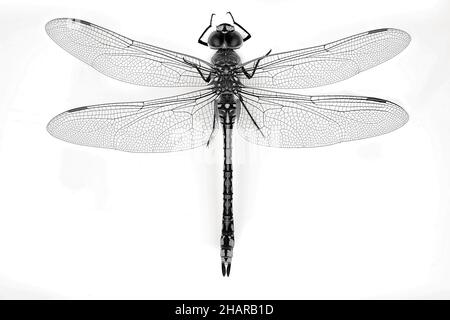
(230, 94)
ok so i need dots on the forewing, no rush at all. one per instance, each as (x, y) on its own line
(124, 59)
(163, 125)
(295, 121)
(326, 64)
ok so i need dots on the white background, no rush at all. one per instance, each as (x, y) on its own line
(365, 219)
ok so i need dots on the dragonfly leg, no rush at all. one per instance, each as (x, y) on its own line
(248, 35)
(250, 115)
(207, 28)
(206, 79)
(248, 75)
(214, 124)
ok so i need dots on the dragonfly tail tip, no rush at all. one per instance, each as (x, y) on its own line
(226, 268)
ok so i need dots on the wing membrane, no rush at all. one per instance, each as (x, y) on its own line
(124, 59)
(326, 64)
(295, 121)
(163, 125)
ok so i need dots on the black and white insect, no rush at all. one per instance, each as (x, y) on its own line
(230, 96)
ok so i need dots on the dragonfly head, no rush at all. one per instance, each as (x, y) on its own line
(225, 37)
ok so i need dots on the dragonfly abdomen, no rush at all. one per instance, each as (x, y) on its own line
(227, 106)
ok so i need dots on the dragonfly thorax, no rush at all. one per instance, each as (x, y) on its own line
(225, 62)
(225, 83)
(225, 57)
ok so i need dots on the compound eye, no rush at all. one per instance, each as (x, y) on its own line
(215, 40)
(234, 40)
(229, 28)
